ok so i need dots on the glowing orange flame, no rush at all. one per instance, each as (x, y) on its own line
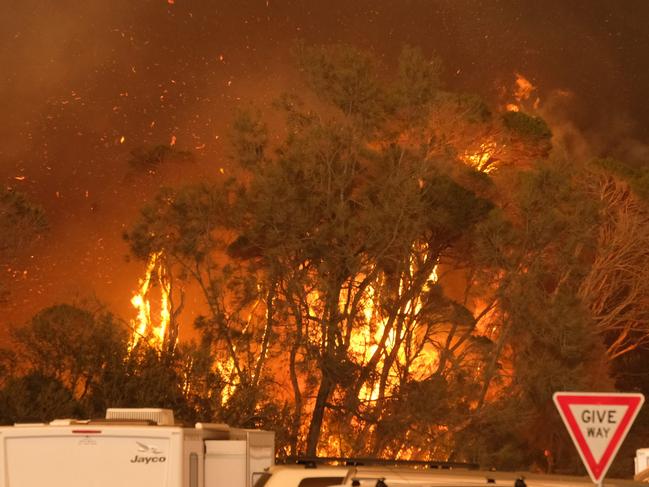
(143, 326)
(364, 343)
(395, 345)
(523, 95)
(481, 158)
(524, 88)
(226, 370)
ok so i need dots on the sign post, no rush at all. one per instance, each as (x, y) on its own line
(598, 424)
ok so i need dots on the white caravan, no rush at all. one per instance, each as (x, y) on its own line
(132, 448)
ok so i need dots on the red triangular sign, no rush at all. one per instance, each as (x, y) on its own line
(598, 424)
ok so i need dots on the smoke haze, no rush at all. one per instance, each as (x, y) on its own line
(84, 83)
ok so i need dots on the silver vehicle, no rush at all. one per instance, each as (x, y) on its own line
(402, 476)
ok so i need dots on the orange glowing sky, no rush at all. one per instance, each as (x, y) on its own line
(83, 83)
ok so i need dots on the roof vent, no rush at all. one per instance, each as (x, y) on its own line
(161, 417)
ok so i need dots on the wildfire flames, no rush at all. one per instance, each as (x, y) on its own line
(482, 157)
(144, 327)
(484, 154)
(374, 333)
(524, 93)
(364, 342)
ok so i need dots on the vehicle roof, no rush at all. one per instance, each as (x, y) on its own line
(290, 475)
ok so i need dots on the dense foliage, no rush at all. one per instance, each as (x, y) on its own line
(398, 270)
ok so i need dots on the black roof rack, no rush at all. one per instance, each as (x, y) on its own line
(313, 462)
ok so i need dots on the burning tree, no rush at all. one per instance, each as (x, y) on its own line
(194, 228)
(326, 257)
(386, 267)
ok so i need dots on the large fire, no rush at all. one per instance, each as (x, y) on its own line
(375, 333)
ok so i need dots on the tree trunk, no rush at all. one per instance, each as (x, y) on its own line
(491, 368)
(326, 386)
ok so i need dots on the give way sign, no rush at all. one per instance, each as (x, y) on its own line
(598, 424)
